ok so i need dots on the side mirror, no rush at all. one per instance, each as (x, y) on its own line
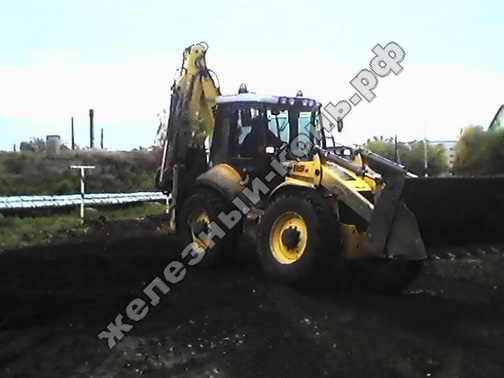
(339, 124)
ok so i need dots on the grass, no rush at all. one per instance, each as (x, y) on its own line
(18, 232)
(27, 173)
(131, 212)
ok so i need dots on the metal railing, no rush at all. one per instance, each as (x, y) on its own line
(72, 200)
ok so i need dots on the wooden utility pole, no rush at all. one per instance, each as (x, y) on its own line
(73, 136)
(396, 155)
(91, 128)
(101, 139)
(426, 157)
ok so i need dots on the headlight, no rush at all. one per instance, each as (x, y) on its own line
(292, 101)
(305, 102)
(311, 103)
(283, 101)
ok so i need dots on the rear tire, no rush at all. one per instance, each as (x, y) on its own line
(298, 237)
(382, 275)
(198, 211)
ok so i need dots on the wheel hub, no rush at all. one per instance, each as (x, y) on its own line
(291, 237)
(198, 222)
(200, 227)
(288, 237)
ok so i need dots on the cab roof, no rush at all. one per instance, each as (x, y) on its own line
(261, 98)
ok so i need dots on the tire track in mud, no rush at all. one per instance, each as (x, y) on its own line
(235, 323)
(342, 334)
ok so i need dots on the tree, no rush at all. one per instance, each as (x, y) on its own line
(35, 145)
(162, 129)
(64, 147)
(38, 143)
(414, 159)
(411, 155)
(479, 152)
(385, 148)
(198, 130)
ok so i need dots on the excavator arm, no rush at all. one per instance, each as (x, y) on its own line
(191, 120)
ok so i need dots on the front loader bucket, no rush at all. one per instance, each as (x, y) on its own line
(414, 213)
(457, 210)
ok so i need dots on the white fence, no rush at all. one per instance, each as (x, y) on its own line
(70, 200)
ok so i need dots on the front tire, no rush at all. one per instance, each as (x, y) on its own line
(298, 237)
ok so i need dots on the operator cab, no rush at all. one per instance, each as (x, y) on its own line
(252, 129)
(250, 126)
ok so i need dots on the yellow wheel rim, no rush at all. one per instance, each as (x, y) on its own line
(196, 220)
(288, 238)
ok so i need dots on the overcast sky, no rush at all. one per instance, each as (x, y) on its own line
(60, 58)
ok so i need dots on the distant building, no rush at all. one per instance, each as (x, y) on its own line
(53, 144)
(449, 146)
(26, 147)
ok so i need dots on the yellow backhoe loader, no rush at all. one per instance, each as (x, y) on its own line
(255, 164)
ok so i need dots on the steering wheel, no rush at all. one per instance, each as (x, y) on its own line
(290, 155)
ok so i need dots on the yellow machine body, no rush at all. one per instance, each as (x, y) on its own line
(376, 208)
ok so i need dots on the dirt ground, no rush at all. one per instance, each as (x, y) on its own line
(232, 322)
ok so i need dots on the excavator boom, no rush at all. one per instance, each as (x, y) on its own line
(191, 119)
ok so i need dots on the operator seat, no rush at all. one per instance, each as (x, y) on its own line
(253, 145)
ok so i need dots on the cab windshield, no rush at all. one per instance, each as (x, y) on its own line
(498, 121)
(279, 124)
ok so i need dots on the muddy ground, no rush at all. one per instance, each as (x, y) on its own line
(233, 322)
